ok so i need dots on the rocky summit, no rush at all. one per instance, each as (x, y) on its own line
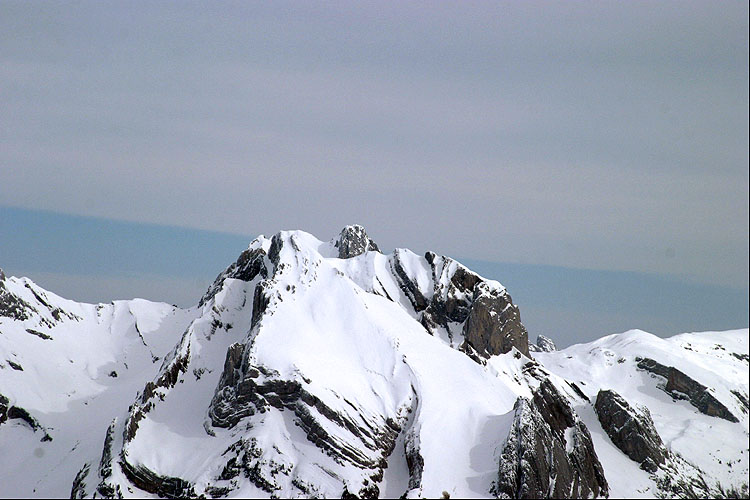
(335, 369)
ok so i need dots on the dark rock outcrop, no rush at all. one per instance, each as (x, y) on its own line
(491, 323)
(681, 386)
(631, 430)
(410, 288)
(494, 323)
(78, 490)
(105, 464)
(105, 489)
(414, 460)
(163, 486)
(549, 452)
(353, 241)
(743, 399)
(452, 294)
(4, 407)
(261, 300)
(545, 344)
(41, 298)
(274, 250)
(12, 306)
(15, 412)
(245, 391)
(39, 334)
(248, 265)
(169, 375)
(10, 412)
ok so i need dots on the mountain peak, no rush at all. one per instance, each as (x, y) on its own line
(353, 241)
(326, 369)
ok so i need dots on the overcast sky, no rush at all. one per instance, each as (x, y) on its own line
(601, 135)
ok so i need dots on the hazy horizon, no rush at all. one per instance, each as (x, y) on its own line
(99, 260)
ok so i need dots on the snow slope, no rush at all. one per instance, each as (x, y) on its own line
(311, 369)
(718, 360)
(67, 380)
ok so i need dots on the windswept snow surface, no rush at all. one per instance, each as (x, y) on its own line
(346, 332)
(713, 445)
(68, 382)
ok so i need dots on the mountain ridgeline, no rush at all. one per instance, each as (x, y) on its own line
(314, 369)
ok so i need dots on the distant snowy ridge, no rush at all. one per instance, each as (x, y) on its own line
(330, 369)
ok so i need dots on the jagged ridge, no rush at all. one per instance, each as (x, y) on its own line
(322, 369)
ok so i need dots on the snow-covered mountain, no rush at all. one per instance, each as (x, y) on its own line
(329, 369)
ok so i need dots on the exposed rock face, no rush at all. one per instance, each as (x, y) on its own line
(488, 320)
(354, 241)
(171, 370)
(631, 430)
(743, 399)
(4, 406)
(12, 306)
(246, 390)
(494, 323)
(105, 464)
(148, 480)
(138, 474)
(409, 286)
(249, 264)
(232, 402)
(549, 452)
(39, 334)
(681, 386)
(10, 412)
(78, 490)
(545, 344)
(414, 460)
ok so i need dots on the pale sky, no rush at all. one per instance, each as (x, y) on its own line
(608, 136)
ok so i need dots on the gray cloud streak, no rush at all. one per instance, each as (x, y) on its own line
(591, 135)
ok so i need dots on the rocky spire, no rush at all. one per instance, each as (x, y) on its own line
(549, 452)
(353, 241)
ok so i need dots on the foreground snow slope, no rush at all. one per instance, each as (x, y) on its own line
(70, 366)
(718, 360)
(324, 369)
